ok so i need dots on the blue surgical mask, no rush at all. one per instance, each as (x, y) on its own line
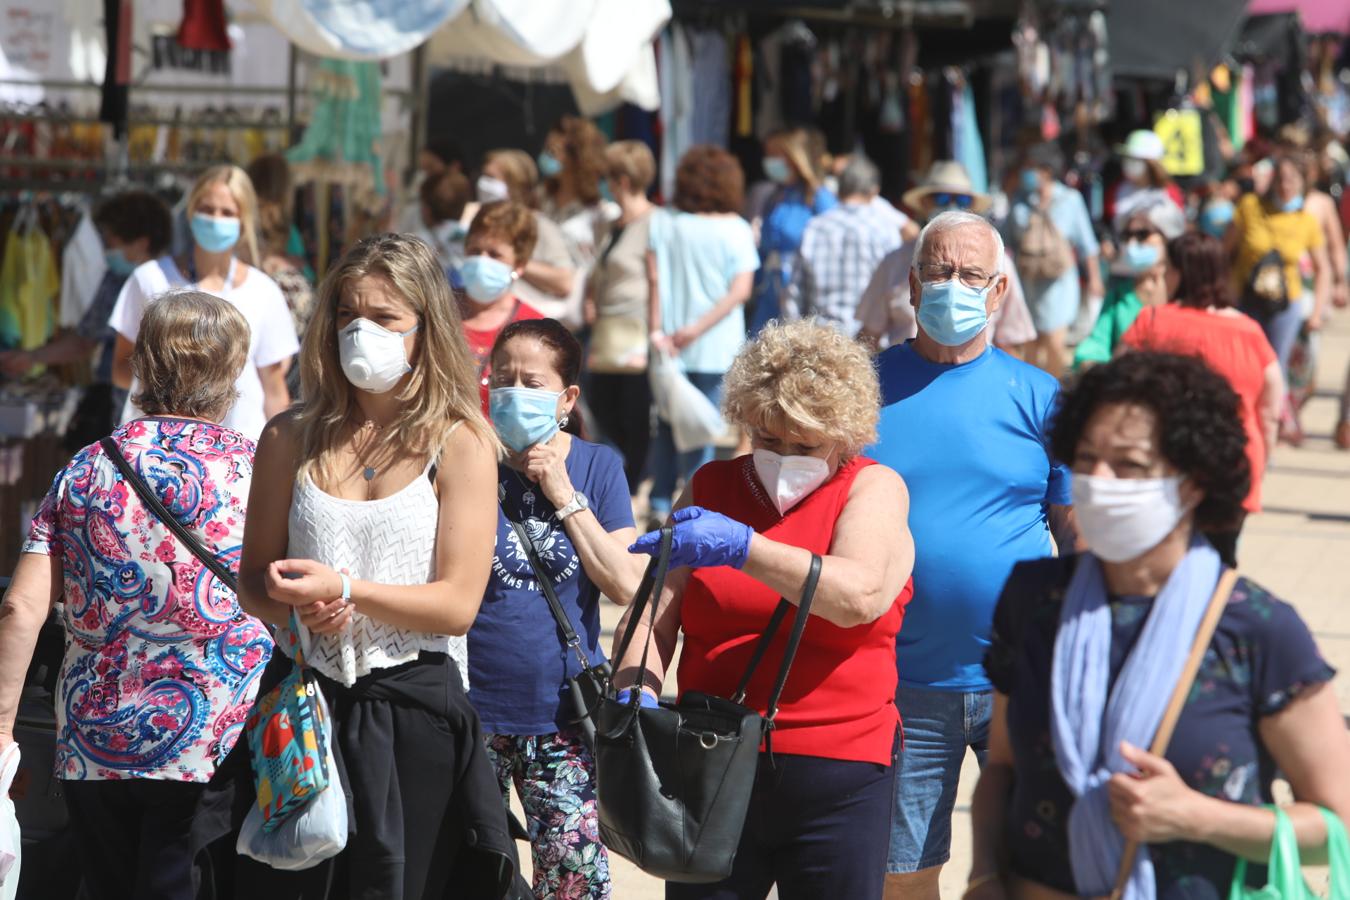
(524, 417)
(486, 279)
(1141, 257)
(777, 170)
(1030, 181)
(117, 261)
(1215, 218)
(549, 165)
(951, 313)
(1294, 205)
(212, 234)
(605, 192)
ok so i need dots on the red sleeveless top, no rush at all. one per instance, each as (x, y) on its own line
(839, 702)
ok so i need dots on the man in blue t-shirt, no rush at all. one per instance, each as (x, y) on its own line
(964, 423)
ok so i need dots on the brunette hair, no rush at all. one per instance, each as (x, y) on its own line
(709, 180)
(137, 214)
(508, 221)
(442, 391)
(271, 177)
(518, 171)
(802, 148)
(566, 352)
(445, 195)
(583, 158)
(1203, 266)
(189, 352)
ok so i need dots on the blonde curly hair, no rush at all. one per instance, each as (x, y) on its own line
(805, 380)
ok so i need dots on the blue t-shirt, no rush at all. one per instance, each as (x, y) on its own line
(970, 442)
(697, 257)
(518, 663)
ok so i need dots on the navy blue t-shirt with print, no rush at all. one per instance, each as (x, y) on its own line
(1260, 659)
(518, 663)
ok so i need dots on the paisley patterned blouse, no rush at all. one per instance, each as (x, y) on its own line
(161, 664)
(1260, 659)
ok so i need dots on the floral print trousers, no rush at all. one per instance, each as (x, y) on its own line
(554, 775)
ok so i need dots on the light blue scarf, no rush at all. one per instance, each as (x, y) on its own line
(1087, 725)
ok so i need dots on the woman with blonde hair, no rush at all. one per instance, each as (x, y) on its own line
(369, 542)
(550, 281)
(744, 535)
(223, 215)
(799, 196)
(161, 665)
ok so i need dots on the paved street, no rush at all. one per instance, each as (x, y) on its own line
(1299, 548)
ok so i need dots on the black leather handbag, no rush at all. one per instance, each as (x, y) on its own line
(587, 687)
(673, 783)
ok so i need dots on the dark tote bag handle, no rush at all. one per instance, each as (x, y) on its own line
(793, 642)
(133, 478)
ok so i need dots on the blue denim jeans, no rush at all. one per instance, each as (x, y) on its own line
(938, 728)
(668, 466)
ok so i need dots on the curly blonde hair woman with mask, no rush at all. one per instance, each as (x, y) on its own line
(373, 525)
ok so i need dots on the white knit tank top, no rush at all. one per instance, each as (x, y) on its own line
(391, 540)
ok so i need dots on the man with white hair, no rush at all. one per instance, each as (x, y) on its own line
(964, 423)
(840, 250)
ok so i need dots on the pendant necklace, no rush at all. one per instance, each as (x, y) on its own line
(528, 496)
(368, 471)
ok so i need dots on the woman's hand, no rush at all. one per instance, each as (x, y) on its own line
(326, 616)
(546, 466)
(685, 336)
(1155, 806)
(1314, 321)
(301, 582)
(702, 539)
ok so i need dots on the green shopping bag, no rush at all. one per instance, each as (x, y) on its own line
(1285, 876)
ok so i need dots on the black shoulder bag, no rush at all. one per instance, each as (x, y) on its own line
(673, 783)
(586, 688)
(133, 478)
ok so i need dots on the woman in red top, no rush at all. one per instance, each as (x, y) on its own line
(744, 532)
(500, 241)
(1200, 321)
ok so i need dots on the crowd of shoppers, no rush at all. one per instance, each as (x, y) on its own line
(448, 482)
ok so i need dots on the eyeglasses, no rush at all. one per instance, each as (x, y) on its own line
(960, 201)
(1140, 234)
(977, 279)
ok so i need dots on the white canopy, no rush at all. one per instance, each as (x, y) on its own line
(604, 47)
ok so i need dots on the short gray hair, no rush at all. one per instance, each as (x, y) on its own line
(860, 176)
(951, 220)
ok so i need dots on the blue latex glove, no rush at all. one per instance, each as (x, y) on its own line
(626, 695)
(702, 539)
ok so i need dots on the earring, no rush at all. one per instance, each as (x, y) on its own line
(562, 423)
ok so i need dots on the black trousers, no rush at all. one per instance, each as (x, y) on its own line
(132, 837)
(817, 828)
(622, 408)
(399, 742)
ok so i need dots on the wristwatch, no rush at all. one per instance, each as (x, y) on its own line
(579, 502)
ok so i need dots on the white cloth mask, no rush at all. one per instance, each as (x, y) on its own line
(372, 357)
(1124, 518)
(789, 479)
(491, 190)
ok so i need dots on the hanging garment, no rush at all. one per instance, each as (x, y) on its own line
(28, 288)
(82, 268)
(203, 26)
(117, 73)
(966, 140)
(745, 85)
(677, 107)
(342, 140)
(711, 119)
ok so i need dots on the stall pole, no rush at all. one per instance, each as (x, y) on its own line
(420, 101)
(292, 71)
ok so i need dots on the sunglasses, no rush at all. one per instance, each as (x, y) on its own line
(1141, 235)
(961, 201)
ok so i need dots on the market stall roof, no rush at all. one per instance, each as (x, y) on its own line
(1319, 16)
(1156, 38)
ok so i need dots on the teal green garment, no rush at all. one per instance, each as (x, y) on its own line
(295, 249)
(1119, 310)
(345, 124)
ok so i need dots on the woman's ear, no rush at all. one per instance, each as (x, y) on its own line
(1190, 494)
(569, 398)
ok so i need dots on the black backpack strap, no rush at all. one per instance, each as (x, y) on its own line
(545, 584)
(794, 640)
(148, 497)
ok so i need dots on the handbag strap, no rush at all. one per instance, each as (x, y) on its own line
(570, 636)
(648, 593)
(793, 642)
(1168, 725)
(148, 497)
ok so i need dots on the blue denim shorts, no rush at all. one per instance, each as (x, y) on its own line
(939, 726)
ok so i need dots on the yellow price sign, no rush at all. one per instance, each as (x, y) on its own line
(1183, 141)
